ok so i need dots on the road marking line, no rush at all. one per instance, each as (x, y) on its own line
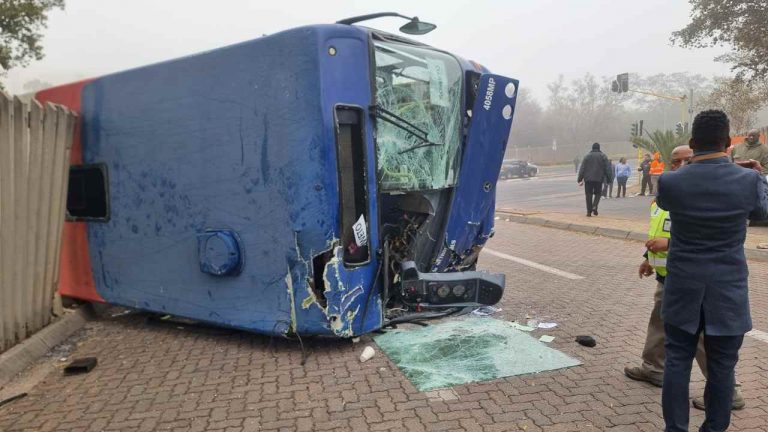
(535, 265)
(759, 335)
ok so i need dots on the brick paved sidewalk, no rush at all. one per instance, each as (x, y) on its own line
(160, 377)
(755, 235)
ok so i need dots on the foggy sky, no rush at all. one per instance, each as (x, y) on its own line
(533, 41)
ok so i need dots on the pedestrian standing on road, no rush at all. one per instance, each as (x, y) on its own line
(706, 288)
(576, 161)
(623, 171)
(593, 170)
(657, 169)
(652, 368)
(752, 148)
(608, 184)
(645, 169)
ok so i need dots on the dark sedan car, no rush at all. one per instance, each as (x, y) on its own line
(517, 168)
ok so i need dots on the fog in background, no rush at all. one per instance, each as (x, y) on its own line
(537, 42)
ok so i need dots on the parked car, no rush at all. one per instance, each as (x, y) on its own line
(517, 168)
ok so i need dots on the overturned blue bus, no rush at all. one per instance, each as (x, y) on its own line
(325, 180)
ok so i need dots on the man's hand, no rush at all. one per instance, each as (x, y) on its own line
(657, 245)
(753, 164)
(645, 270)
(581, 183)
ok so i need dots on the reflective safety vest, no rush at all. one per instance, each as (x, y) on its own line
(659, 227)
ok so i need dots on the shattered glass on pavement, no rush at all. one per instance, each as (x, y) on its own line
(468, 350)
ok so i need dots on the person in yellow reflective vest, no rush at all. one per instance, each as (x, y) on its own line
(652, 368)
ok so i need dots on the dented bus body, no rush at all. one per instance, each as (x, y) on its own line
(325, 180)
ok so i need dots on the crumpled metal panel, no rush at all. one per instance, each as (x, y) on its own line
(239, 138)
(471, 218)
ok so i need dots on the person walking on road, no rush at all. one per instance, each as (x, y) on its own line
(657, 169)
(651, 370)
(753, 149)
(623, 171)
(608, 184)
(593, 170)
(706, 288)
(645, 169)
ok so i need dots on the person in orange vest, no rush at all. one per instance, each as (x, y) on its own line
(657, 169)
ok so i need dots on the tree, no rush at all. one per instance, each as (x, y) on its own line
(35, 85)
(527, 128)
(740, 99)
(742, 24)
(21, 23)
(663, 142)
(583, 112)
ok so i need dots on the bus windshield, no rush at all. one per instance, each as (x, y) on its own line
(418, 104)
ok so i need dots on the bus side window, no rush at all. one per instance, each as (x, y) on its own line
(353, 193)
(88, 193)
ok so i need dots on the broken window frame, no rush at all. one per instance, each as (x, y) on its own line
(451, 150)
(102, 167)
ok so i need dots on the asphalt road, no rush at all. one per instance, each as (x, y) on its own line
(556, 190)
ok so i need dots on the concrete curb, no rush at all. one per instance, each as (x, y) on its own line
(28, 351)
(752, 254)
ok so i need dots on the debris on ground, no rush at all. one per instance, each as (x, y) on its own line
(468, 350)
(547, 325)
(546, 338)
(123, 313)
(587, 341)
(12, 398)
(81, 365)
(367, 354)
(762, 245)
(522, 327)
(486, 311)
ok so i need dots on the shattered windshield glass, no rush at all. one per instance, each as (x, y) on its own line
(418, 134)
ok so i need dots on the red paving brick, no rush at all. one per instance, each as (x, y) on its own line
(160, 377)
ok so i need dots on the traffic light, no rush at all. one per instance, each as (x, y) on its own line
(621, 84)
(641, 128)
(679, 129)
(634, 130)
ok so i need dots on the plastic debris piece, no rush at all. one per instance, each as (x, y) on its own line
(468, 350)
(547, 325)
(486, 310)
(123, 313)
(166, 317)
(81, 365)
(532, 323)
(547, 338)
(368, 352)
(587, 341)
(762, 245)
(355, 340)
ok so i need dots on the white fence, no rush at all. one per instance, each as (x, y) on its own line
(35, 142)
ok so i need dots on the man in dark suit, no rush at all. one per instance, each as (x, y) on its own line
(594, 169)
(709, 202)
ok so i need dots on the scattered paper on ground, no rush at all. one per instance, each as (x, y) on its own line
(468, 350)
(547, 325)
(522, 327)
(547, 338)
